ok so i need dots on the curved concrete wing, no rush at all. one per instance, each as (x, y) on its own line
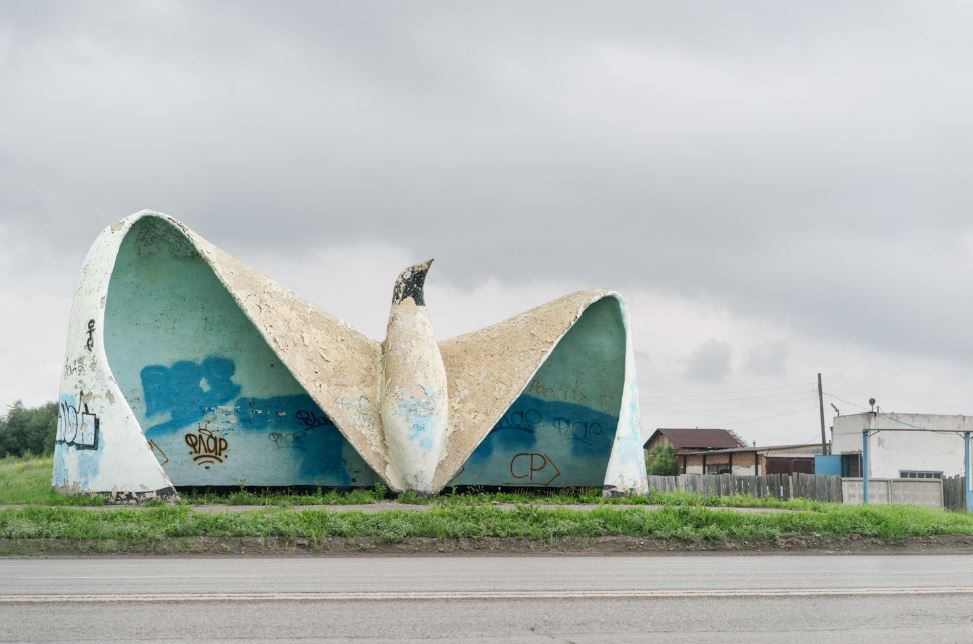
(194, 369)
(548, 398)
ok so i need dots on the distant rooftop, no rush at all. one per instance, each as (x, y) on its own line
(698, 438)
(809, 448)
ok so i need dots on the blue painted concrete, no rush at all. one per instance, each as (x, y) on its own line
(213, 399)
(560, 431)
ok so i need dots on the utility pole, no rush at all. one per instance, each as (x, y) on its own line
(824, 439)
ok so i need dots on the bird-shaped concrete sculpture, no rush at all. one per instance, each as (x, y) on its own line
(185, 367)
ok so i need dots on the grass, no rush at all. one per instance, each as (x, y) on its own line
(27, 480)
(684, 524)
(683, 517)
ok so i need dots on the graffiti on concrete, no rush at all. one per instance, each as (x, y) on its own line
(535, 433)
(76, 425)
(575, 394)
(90, 342)
(159, 454)
(311, 419)
(282, 440)
(207, 447)
(524, 421)
(578, 430)
(198, 353)
(280, 412)
(537, 468)
(187, 390)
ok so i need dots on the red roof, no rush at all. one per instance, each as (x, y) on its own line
(698, 438)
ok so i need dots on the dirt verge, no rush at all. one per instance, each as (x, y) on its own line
(346, 546)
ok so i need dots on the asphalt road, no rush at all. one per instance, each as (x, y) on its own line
(491, 599)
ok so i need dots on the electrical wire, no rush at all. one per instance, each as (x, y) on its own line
(901, 422)
(757, 420)
(738, 391)
(719, 400)
(699, 411)
(847, 402)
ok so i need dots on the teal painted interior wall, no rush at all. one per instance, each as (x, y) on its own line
(217, 405)
(559, 432)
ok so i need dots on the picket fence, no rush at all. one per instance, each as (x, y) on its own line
(779, 486)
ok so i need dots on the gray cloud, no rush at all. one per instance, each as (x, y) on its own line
(769, 359)
(807, 165)
(710, 362)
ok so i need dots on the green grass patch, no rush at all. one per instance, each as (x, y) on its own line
(680, 523)
(27, 479)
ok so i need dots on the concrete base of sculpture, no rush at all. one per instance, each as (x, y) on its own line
(185, 367)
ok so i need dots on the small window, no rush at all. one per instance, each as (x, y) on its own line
(720, 468)
(919, 474)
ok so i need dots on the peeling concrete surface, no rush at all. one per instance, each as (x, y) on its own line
(460, 388)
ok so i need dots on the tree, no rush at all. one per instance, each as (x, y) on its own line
(28, 430)
(662, 461)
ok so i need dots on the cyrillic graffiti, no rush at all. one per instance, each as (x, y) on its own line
(575, 394)
(76, 425)
(525, 420)
(207, 448)
(537, 468)
(577, 430)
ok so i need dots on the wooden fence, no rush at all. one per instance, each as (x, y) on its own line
(778, 486)
(954, 493)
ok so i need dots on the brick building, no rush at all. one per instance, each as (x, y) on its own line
(751, 461)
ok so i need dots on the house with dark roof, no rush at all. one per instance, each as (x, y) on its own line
(692, 440)
(720, 451)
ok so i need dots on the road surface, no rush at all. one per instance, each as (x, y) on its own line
(491, 599)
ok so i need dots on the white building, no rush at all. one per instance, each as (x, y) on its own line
(901, 445)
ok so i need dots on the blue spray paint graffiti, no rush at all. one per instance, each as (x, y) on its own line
(301, 426)
(522, 447)
(187, 390)
(77, 435)
(281, 412)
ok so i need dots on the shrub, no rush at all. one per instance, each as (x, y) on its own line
(662, 461)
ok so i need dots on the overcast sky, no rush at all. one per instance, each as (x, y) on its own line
(778, 188)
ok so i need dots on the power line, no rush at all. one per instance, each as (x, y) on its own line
(847, 402)
(786, 413)
(757, 420)
(726, 393)
(901, 422)
(717, 400)
(699, 411)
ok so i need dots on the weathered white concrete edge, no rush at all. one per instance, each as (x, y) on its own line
(626, 473)
(123, 463)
